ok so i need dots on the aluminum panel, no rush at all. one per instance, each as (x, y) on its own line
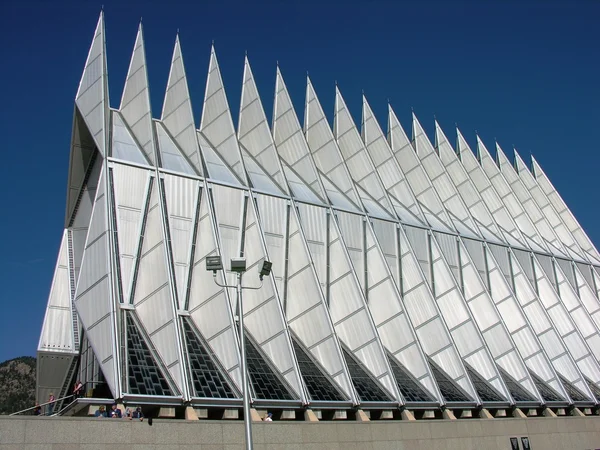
(442, 183)
(181, 198)
(216, 124)
(324, 149)
(405, 156)
(177, 115)
(544, 320)
(542, 201)
(509, 198)
(263, 316)
(519, 326)
(92, 96)
(206, 302)
(586, 293)
(358, 161)
(123, 146)
(171, 157)
(395, 183)
(94, 295)
(292, 146)
(57, 327)
(255, 137)
(130, 190)
(489, 195)
(565, 213)
(135, 102)
(152, 291)
(529, 205)
(467, 190)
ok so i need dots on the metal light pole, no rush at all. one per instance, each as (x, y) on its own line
(238, 265)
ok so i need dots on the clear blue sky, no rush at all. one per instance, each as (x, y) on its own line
(525, 72)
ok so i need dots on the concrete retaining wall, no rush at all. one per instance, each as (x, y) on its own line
(54, 433)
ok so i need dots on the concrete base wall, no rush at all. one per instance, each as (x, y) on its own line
(54, 433)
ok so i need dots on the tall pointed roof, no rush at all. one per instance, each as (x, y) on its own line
(326, 153)
(548, 210)
(565, 213)
(292, 147)
(489, 195)
(467, 190)
(135, 102)
(254, 134)
(510, 200)
(529, 205)
(392, 177)
(358, 161)
(216, 124)
(177, 114)
(442, 183)
(92, 95)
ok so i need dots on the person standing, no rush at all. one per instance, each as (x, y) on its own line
(51, 403)
(78, 389)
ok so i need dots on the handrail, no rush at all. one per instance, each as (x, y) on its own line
(41, 404)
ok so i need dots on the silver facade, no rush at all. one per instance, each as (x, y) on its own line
(406, 272)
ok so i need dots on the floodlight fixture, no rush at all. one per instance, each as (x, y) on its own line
(238, 265)
(213, 263)
(265, 268)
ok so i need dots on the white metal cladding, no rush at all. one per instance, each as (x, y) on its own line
(547, 330)
(467, 190)
(390, 173)
(418, 180)
(529, 205)
(574, 334)
(349, 313)
(292, 147)
(151, 290)
(217, 167)
(587, 295)
(366, 279)
(459, 320)
(488, 319)
(300, 292)
(359, 163)
(327, 155)
(388, 311)
(505, 192)
(383, 297)
(130, 198)
(581, 319)
(501, 216)
(181, 198)
(216, 124)
(565, 213)
(92, 95)
(425, 315)
(518, 325)
(57, 329)
(255, 137)
(123, 146)
(442, 183)
(177, 115)
(81, 220)
(171, 157)
(206, 302)
(548, 210)
(94, 295)
(135, 103)
(263, 317)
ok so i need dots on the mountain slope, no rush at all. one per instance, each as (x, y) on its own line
(17, 382)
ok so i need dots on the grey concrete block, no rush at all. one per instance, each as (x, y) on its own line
(443, 429)
(235, 433)
(12, 431)
(318, 432)
(281, 433)
(51, 430)
(416, 430)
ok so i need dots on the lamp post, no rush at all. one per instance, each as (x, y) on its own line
(238, 265)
